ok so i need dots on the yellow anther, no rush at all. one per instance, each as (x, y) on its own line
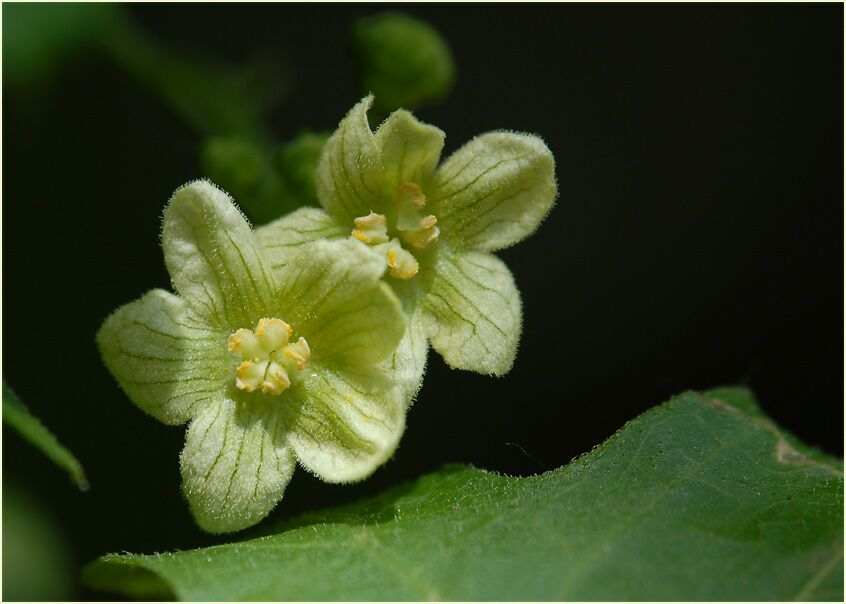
(415, 230)
(244, 342)
(403, 264)
(268, 358)
(299, 352)
(410, 194)
(249, 375)
(372, 228)
(424, 235)
(273, 334)
(276, 379)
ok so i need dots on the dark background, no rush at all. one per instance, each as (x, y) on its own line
(697, 240)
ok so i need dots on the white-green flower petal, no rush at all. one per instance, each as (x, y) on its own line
(349, 172)
(408, 363)
(473, 313)
(345, 424)
(235, 464)
(166, 359)
(494, 191)
(213, 257)
(282, 237)
(333, 295)
(410, 150)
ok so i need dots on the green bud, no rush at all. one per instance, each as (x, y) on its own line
(296, 161)
(402, 61)
(244, 169)
(235, 164)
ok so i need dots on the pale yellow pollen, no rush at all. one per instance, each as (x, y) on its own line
(410, 193)
(276, 380)
(372, 228)
(299, 352)
(403, 264)
(418, 231)
(269, 359)
(412, 229)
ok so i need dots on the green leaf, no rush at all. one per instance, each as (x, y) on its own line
(403, 61)
(16, 415)
(702, 498)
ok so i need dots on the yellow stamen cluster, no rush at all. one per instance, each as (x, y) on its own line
(268, 357)
(415, 230)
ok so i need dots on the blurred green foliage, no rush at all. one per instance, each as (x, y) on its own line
(297, 160)
(264, 183)
(38, 39)
(403, 61)
(234, 163)
(214, 98)
(400, 59)
(36, 555)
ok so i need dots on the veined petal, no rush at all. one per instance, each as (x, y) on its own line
(349, 173)
(410, 149)
(345, 424)
(334, 297)
(235, 464)
(408, 363)
(167, 359)
(213, 257)
(494, 191)
(473, 313)
(282, 237)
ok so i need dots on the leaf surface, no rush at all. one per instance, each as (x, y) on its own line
(701, 498)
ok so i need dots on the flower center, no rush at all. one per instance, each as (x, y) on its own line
(269, 360)
(414, 230)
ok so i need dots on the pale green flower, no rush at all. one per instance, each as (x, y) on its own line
(435, 226)
(269, 367)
